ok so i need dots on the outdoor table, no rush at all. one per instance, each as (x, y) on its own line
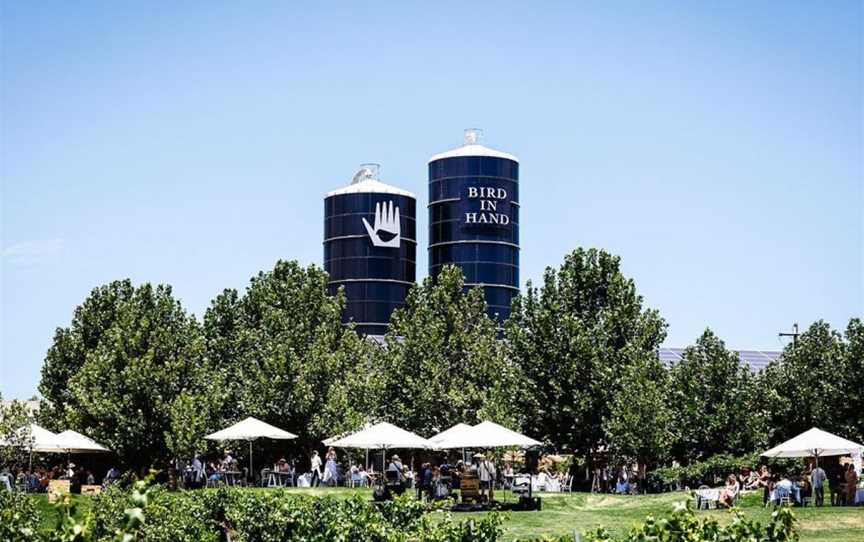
(859, 496)
(707, 496)
(230, 477)
(283, 478)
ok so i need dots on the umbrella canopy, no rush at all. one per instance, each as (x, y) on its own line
(74, 442)
(381, 435)
(250, 429)
(814, 442)
(487, 435)
(444, 438)
(334, 438)
(38, 439)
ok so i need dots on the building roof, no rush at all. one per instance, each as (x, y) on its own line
(473, 150)
(366, 181)
(370, 186)
(756, 360)
(472, 147)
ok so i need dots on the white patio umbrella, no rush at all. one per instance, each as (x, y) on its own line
(457, 433)
(35, 439)
(816, 443)
(250, 429)
(485, 435)
(40, 440)
(381, 436)
(74, 442)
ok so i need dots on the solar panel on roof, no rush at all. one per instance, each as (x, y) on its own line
(756, 360)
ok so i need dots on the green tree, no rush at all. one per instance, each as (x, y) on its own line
(853, 381)
(808, 386)
(573, 339)
(638, 427)
(90, 322)
(444, 362)
(280, 353)
(14, 418)
(712, 397)
(114, 373)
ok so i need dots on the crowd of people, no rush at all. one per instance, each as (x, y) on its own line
(797, 489)
(39, 478)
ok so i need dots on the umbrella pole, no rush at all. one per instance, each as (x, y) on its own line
(251, 475)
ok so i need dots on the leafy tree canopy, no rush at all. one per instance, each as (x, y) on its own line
(712, 396)
(114, 372)
(280, 353)
(573, 338)
(443, 361)
(810, 386)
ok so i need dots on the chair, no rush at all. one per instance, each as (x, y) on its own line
(783, 496)
(357, 480)
(700, 500)
(567, 485)
(521, 484)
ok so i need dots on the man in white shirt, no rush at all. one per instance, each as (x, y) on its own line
(486, 474)
(315, 481)
(817, 478)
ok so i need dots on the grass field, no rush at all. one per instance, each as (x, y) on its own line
(563, 513)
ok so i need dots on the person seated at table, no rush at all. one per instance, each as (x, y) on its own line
(805, 490)
(782, 487)
(751, 480)
(728, 494)
(229, 464)
(283, 467)
(622, 486)
(213, 473)
(851, 484)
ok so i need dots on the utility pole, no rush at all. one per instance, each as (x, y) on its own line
(794, 333)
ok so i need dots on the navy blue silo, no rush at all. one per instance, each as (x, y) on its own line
(366, 253)
(474, 219)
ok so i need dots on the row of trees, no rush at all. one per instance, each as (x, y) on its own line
(577, 368)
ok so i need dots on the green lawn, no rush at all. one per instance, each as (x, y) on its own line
(564, 513)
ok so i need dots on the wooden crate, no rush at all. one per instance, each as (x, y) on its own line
(58, 488)
(91, 490)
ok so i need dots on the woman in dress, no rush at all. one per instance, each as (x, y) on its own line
(331, 470)
(728, 494)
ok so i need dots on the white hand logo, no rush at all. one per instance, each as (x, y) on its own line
(386, 232)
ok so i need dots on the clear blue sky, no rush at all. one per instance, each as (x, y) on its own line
(715, 146)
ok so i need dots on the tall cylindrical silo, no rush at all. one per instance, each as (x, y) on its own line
(474, 219)
(370, 248)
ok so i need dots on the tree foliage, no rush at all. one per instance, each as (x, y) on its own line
(280, 353)
(573, 338)
(712, 396)
(115, 371)
(443, 362)
(638, 427)
(14, 435)
(809, 386)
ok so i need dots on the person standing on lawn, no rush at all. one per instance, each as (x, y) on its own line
(315, 463)
(817, 479)
(851, 484)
